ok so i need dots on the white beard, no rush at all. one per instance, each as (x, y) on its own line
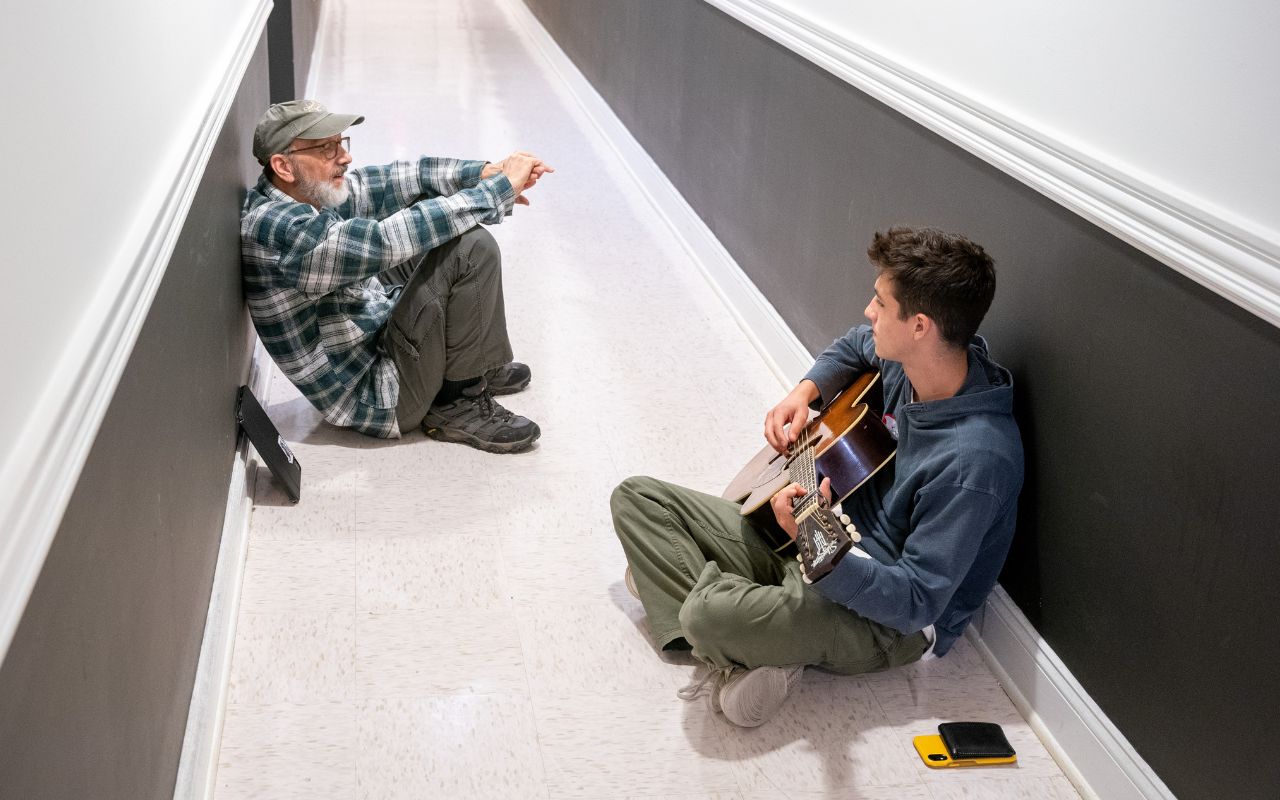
(323, 194)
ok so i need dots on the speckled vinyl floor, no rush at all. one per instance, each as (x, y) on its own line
(435, 622)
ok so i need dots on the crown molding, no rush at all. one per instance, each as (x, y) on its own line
(1223, 253)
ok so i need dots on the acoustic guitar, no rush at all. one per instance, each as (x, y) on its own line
(847, 442)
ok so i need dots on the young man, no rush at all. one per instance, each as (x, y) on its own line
(375, 290)
(936, 524)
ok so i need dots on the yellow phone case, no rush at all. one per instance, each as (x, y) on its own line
(934, 754)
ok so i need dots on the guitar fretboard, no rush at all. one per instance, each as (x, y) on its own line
(803, 471)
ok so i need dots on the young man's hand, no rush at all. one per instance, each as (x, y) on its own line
(783, 423)
(785, 499)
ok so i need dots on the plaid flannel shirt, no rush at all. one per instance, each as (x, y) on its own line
(310, 276)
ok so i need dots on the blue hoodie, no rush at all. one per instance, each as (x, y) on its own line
(938, 524)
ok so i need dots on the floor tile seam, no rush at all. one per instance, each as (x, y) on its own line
(290, 609)
(362, 698)
(538, 743)
(696, 791)
(288, 537)
(487, 610)
(443, 524)
(492, 620)
(335, 540)
(355, 701)
(417, 696)
(326, 614)
(424, 535)
(277, 523)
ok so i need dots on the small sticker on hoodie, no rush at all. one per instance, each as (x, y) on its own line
(891, 424)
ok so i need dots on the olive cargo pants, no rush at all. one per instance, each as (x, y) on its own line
(705, 573)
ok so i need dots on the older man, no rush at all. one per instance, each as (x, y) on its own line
(375, 290)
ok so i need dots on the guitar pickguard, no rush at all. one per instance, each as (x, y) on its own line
(775, 468)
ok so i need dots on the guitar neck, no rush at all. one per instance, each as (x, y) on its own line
(803, 471)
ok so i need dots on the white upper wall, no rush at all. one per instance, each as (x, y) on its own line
(112, 111)
(1183, 97)
(105, 101)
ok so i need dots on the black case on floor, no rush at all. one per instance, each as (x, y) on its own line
(968, 740)
(269, 443)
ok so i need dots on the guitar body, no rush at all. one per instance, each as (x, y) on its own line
(850, 442)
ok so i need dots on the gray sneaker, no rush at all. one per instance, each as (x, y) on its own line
(508, 378)
(751, 697)
(478, 420)
(747, 697)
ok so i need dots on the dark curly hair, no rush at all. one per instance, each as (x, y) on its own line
(942, 275)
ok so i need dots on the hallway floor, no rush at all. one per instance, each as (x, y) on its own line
(435, 622)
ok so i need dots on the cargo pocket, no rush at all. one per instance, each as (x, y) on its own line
(401, 347)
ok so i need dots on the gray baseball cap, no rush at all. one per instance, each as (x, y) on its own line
(305, 119)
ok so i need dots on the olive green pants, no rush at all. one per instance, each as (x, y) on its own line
(705, 573)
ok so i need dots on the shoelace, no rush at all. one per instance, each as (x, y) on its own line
(695, 687)
(490, 408)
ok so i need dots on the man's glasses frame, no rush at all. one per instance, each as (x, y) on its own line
(329, 150)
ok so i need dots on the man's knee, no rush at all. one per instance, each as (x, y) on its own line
(630, 492)
(480, 247)
(627, 497)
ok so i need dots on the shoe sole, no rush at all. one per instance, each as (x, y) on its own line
(774, 690)
(462, 437)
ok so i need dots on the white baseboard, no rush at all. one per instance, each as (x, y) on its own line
(1092, 752)
(198, 766)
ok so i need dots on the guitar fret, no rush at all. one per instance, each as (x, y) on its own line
(803, 471)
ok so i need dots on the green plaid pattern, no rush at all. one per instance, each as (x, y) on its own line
(309, 276)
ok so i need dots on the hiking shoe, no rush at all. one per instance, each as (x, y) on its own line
(631, 584)
(478, 420)
(747, 697)
(508, 378)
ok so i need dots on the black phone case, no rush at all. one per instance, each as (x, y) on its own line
(968, 740)
(269, 443)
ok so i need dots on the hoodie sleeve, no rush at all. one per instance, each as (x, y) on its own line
(846, 357)
(948, 525)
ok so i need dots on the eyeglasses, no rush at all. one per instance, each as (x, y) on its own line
(329, 150)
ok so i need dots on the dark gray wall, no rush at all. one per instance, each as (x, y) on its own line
(291, 36)
(95, 688)
(306, 26)
(1146, 548)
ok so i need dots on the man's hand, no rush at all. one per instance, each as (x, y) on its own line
(783, 501)
(782, 425)
(522, 169)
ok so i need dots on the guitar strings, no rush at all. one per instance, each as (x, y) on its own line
(806, 459)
